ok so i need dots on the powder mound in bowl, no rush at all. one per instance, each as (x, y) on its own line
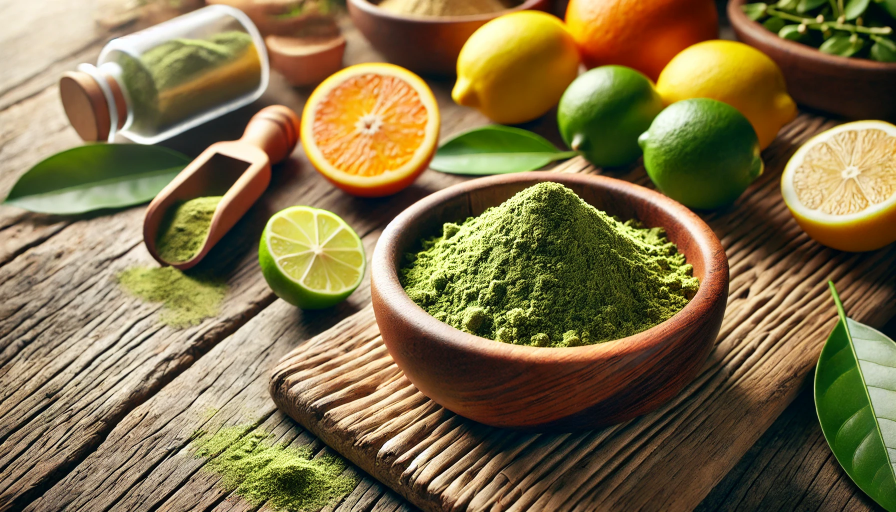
(547, 269)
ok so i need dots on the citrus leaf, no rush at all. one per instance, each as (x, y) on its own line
(790, 32)
(496, 149)
(855, 8)
(96, 176)
(855, 397)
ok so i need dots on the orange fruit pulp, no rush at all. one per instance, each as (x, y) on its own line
(371, 129)
(640, 34)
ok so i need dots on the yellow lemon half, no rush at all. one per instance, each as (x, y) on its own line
(515, 67)
(840, 186)
(736, 74)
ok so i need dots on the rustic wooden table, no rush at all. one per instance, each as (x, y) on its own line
(98, 400)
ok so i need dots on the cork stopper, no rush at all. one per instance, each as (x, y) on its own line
(87, 105)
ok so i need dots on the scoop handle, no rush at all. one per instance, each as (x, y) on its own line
(275, 130)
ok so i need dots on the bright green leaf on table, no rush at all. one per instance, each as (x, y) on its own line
(855, 8)
(855, 397)
(496, 149)
(96, 176)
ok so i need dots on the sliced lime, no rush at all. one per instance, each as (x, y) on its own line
(311, 258)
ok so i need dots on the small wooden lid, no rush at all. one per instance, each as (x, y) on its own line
(306, 60)
(85, 105)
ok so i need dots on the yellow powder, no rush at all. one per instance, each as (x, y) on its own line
(446, 7)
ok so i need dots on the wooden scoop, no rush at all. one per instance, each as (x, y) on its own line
(238, 170)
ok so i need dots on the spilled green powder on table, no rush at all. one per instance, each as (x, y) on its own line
(186, 299)
(261, 471)
(547, 269)
(184, 228)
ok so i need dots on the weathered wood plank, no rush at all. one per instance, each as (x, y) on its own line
(791, 467)
(343, 386)
(77, 354)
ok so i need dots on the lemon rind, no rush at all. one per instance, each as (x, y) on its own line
(343, 225)
(789, 193)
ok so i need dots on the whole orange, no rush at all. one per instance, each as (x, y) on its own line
(640, 34)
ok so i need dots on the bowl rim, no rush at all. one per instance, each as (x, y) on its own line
(370, 8)
(713, 286)
(755, 30)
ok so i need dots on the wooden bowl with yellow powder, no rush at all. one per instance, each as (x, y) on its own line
(426, 36)
(558, 388)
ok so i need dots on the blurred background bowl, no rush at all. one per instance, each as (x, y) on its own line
(427, 45)
(853, 88)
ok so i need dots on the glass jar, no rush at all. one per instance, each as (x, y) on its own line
(154, 84)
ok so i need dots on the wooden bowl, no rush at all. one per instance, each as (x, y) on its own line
(853, 88)
(424, 44)
(537, 388)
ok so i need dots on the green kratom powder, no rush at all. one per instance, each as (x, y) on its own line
(547, 269)
(185, 227)
(186, 300)
(178, 78)
(260, 471)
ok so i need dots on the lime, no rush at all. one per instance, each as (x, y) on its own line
(701, 152)
(603, 112)
(311, 258)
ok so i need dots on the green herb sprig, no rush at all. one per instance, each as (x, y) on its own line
(848, 28)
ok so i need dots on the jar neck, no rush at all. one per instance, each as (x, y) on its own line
(107, 76)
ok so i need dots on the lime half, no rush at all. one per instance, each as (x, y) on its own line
(311, 258)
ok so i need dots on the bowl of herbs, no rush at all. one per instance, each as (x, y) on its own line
(549, 302)
(838, 56)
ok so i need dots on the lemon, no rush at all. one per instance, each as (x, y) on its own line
(515, 67)
(701, 152)
(735, 73)
(840, 186)
(311, 258)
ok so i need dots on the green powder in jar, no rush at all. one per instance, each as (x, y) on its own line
(186, 299)
(547, 269)
(182, 77)
(283, 477)
(185, 227)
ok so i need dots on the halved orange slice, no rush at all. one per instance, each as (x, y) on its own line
(840, 186)
(371, 129)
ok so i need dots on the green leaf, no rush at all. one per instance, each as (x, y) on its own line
(790, 32)
(496, 149)
(755, 11)
(808, 5)
(96, 176)
(842, 45)
(774, 24)
(884, 50)
(787, 5)
(855, 8)
(855, 397)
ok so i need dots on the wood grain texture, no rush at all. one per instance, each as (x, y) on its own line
(345, 388)
(503, 385)
(76, 353)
